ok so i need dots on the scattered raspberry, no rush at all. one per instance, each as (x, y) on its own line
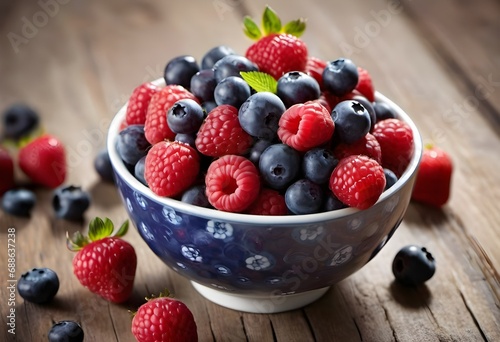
(138, 103)
(222, 134)
(365, 84)
(269, 202)
(232, 183)
(368, 146)
(156, 126)
(314, 68)
(396, 142)
(305, 125)
(171, 168)
(358, 181)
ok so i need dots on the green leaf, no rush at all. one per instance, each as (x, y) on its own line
(123, 229)
(260, 81)
(99, 229)
(77, 242)
(295, 27)
(271, 23)
(251, 29)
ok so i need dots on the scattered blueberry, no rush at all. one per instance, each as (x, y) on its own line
(132, 144)
(18, 202)
(390, 178)
(19, 120)
(340, 77)
(215, 54)
(232, 65)
(383, 111)
(139, 171)
(318, 164)
(66, 331)
(38, 285)
(103, 167)
(279, 165)
(232, 90)
(203, 85)
(333, 203)
(70, 202)
(180, 70)
(352, 121)
(196, 196)
(413, 265)
(260, 113)
(297, 87)
(185, 116)
(304, 197)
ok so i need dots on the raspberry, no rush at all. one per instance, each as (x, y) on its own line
(367, 145)
(396, 142)
(358, 181)
(314, 68)
(222, 134)
(365, 85)
(269, 202)
(156, 126)
(171, 168)
(305, 125)
(232, 183)
(138, 103)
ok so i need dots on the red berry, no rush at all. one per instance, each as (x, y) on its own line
(269, 202)
(221, 133)
(156, 127)
(232, 183)
(6, 171)
(306, 125)
(358, 181)
(138, 103)
(433, 182)
(365, 84)
(396, 142)
(171, 167)
(164, 319)
(43, 160)
(104, 263)
(368, 146)
(314, 68)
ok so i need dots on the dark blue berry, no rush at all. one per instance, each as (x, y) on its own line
(352, 121)
(340, 77)
(232, 65)
(297, 87)
(19, 120)
(332, 203)
(383, 111)
(390, 178)
(279, 166)
(186, 139)
(196, 196)
(139, 170)
(260, 113)
(304, 197)
(180, 70)
(413, 265)
(232, 91)
(208, 106)
(18, 202)
(102, 165)
(66, 331)
(256, 151)
(318, 164)
(215, 54)
(70, 202)
(368, 106)
(185, 116)
(38, 285)
(203, 85)
(132, 144)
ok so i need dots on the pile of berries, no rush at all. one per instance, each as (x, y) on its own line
(272, 132)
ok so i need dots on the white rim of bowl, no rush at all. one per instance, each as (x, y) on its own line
(286, 220)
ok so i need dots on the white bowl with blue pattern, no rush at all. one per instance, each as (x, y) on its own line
(262, 264)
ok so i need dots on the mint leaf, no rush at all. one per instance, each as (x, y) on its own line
(260, 81)
(271, 23)
(251, 29)
(295, 27)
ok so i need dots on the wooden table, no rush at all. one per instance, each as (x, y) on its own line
(77, 61)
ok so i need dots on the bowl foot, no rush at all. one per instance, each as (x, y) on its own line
(259, 303)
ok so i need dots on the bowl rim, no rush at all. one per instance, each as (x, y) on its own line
(282, 220)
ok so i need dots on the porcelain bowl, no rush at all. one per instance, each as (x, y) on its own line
(262, 264)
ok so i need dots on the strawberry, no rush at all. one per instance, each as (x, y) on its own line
(104, 263)
(6, 171)
(277, 49)
(433, 182)
(365, 84)
(164, 318)
(43, 160)
(138, 103)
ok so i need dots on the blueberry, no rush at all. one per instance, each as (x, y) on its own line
(332, 203)
(185, 116)
(256, 151)
(340, 77)
(103, 167)
(132, 144)
(318, 164)
(66, 331)
(18, 202)
(232, 65)
(232, 91)
(390, 178)
(186, 139)
(70, 202)
(352, 121)
(180, 70)
(38, 285)
(260, 113)
(279, 165)
(383, 111)
(368, 106)
(196, 196)
(215, 54)
(203, 85)
(208, 106)
(413, 265)
(297, 87)
(19, 120)
(139, 171)
(304, 197)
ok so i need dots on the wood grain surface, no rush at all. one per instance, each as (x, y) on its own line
(76, 62)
